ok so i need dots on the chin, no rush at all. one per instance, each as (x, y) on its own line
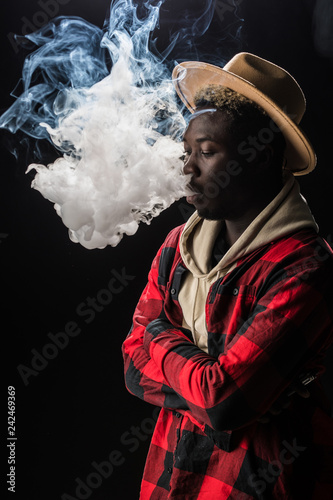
(205, 213)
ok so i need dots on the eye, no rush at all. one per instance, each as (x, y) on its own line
(207, 154)
(185, 156)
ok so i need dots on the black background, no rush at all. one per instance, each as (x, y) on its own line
(76, 410)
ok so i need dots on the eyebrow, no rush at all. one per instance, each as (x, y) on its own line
(202, 139)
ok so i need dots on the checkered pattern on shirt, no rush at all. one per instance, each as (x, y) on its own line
(267, 320)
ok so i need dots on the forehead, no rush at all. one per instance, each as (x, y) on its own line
(207, 122)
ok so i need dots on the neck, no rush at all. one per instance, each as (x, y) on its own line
(236, 226)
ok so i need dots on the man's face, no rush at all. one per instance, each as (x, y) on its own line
(211, 158)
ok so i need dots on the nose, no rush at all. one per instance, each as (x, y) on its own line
(190, 166)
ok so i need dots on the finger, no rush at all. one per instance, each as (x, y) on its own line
(275, 411)
(300, 389)
(303, 392)
(264, 419)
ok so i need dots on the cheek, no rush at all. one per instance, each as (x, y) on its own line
(219, 181)
(212, 189)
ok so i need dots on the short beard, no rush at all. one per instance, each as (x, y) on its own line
(205, 213)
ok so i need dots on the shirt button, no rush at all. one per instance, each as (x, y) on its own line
(235, 291)
(173, 291)
(178, 415)
(169, 470)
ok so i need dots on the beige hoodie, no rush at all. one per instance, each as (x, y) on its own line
(287, 213)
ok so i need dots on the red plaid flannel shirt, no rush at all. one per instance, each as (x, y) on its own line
(268, 320)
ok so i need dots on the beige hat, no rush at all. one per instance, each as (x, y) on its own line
(270, 86)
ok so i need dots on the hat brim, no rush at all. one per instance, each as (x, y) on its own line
(190, 76)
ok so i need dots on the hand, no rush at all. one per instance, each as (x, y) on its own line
(282, 403)
(153, 329)
(160, 325)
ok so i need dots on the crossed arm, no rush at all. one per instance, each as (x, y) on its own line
(287, 329)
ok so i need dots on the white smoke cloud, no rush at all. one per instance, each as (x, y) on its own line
(119, 169)
(119, 137)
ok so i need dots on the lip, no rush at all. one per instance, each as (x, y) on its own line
(192, 194)
(193, 198)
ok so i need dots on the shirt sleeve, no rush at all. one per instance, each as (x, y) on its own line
(143, 378)
(288, 330)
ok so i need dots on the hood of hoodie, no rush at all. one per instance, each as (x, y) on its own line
(287, 213)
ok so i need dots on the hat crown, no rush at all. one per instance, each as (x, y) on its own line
(272, 80)
(266, 84)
